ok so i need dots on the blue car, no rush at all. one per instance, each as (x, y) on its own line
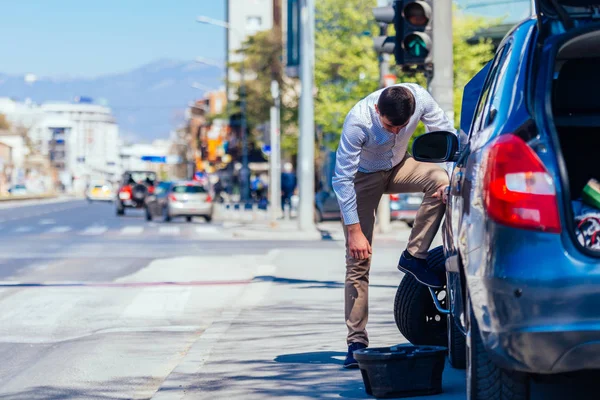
(521, 288)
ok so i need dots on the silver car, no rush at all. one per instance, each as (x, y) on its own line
(180, 199)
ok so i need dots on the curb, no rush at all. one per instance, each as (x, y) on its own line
(27, 197)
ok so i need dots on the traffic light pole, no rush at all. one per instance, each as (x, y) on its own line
(441, 79)
(383, 210)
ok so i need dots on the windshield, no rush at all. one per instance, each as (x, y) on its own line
(189, 189)
(140, 177)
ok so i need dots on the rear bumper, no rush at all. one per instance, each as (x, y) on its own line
(184, 209)
(132, 203)
(100, 197)
(538, 305)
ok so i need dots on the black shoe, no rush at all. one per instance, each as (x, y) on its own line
(350, 361)
(419, 269)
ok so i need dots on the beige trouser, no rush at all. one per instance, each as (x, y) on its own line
(409, 176)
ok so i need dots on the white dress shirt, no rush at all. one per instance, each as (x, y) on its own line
(366, 146)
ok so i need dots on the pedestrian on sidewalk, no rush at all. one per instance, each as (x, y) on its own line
(371, 161)
(288, 185)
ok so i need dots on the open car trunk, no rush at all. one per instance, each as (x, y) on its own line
(576, 114)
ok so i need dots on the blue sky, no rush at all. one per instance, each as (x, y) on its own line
(95, 37)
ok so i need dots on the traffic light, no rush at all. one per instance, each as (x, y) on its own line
(383, 43)
(413, 23)
(414, 31)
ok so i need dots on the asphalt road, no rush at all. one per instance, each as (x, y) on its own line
(96, 306)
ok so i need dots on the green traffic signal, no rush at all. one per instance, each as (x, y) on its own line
(417, 44)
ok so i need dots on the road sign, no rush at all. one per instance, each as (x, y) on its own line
(154, 159)
(293, 38)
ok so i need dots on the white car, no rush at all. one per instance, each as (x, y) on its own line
(100, 192)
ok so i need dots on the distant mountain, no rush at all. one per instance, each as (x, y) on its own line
(148, 102)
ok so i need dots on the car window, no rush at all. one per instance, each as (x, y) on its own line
(189, 189)
(482, 114)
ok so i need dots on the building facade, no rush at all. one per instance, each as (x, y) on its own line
(80, 140)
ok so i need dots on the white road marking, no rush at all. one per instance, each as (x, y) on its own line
(60, 229)
(95, 230)
(206, 229)
(168, 230)
(132, 230)
(23, 229)
(47, 222)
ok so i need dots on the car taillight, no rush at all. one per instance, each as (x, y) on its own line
(208, 198)
(517, 188)
(125, 193)
(172, 197)
(394, 197)
(150, 189)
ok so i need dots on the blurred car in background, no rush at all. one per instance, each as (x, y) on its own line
(100, 192)
(18, 190)
(326, 206)
(404, 207)
(134, 188)
(180, 199)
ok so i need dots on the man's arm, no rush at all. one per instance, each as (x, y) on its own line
(435, 119)
(346, 167)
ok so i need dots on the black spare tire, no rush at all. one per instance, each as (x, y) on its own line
(416, 316)
(139, 192)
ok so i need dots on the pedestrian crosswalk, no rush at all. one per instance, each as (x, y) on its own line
(131, 231)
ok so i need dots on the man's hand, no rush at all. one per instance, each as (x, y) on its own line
(358, 245)
(442, 193)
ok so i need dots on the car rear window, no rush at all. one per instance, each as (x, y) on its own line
(189, 189)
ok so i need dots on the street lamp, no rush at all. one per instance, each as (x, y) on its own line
(245, 172)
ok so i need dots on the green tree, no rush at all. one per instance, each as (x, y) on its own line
(346, 67)
(263, 53)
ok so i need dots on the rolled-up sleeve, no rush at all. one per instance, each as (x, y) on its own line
(346, 166)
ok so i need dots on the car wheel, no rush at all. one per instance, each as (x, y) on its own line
(457, 352)
(414, 311)
(148, 215)
(410, 224)
(166, 216)
(188, 219)
(208, 218)
(484, 378)
(120, 209)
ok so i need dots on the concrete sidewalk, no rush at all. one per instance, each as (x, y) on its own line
(285, 336)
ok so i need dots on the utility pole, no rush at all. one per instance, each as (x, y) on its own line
(275, 157)
(383, 210)
(441, 83)
(306, 148)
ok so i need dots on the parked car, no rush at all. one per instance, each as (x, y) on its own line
(520, 287)
(18, 190)
(134, 188)
(404, 207)
(180, 199)
(326, 206)
(100, 192)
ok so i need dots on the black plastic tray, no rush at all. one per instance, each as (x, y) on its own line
(402, 371)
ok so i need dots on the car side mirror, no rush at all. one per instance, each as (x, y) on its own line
(436, 147)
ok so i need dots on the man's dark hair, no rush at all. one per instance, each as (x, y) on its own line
(397, 104)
